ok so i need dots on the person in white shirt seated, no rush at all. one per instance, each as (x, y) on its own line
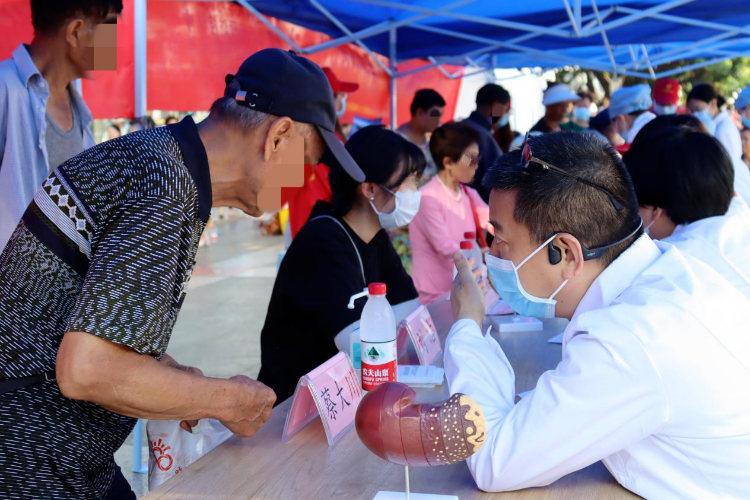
(684, 181)
(656, 357)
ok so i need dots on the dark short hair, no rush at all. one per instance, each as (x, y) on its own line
(381, 154)
(663, 122)
(450, 140)
(425, 99)
(549, 203)
(687, 173)
(47, 16)
(492, 93)
(703, 92)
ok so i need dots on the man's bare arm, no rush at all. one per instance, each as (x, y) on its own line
(121, 380)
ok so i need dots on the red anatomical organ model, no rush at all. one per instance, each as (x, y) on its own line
(399, 431)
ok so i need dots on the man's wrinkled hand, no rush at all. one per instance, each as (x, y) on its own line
(254, 407)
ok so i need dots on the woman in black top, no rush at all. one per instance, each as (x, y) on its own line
(340, 250)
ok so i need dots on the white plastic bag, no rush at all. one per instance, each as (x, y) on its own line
(172, 448)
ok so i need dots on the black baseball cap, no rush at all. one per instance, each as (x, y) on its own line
(282, 83)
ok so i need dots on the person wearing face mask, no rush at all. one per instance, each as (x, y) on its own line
(653, 355)
(340, 250)
(427, 110)
(745, 134)
(449, 209)
(666, 96)
(493, 106)
(684, 181)
(316, 186)
(557, 100)
(579, 122)
(742, 105)
(703, 103)
(628, 108)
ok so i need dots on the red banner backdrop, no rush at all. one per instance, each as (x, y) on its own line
(192, 45)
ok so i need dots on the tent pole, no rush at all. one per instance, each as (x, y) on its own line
(392, 76)
(688, 21)
(140, 58)
(348, 32)
(664, 6)
(376, 29)
(270, 25)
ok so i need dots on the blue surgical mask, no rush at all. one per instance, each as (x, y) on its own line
(745, 122)
(708, 120)
(341, 111)
(507, 284)
(582, 114)
(503, 121)
(667, 109)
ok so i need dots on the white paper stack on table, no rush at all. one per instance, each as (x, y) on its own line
(420, 376)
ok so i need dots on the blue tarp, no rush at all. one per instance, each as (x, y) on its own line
(659, 35)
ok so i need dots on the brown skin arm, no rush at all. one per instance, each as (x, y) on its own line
(121, 380)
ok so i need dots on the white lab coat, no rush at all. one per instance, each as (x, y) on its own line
(639, 122)
(728, 134)
(721, 242)
(653, 381)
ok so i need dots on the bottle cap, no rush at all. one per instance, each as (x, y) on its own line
(471, 235)
(467, 245)
(376, 289)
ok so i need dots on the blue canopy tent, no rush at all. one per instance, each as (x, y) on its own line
(625, 37)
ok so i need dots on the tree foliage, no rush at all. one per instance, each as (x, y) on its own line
(728, 77)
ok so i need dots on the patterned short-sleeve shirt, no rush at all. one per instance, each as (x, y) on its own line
(106, 247)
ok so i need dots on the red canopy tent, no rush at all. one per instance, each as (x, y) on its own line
(191, 45)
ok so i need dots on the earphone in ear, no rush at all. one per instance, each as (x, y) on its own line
(555, 255)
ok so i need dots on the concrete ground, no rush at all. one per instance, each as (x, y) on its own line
(218, 329)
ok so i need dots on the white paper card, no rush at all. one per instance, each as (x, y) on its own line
(557, 339)
(393, 495)
(507, 324)
(420, 376)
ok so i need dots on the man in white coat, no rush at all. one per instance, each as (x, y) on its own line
(656, 358)
(684, 181)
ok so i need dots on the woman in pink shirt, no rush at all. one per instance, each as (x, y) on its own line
(447, 209)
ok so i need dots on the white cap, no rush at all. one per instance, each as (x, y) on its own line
(630, 99)
(558, 93)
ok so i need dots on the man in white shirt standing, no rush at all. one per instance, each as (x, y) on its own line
(656, 356)
(43, 120)
(629, 107)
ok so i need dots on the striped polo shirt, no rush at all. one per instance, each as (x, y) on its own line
(106, 247)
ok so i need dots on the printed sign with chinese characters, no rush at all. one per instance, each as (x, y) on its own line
(332, 391)
(423, 335)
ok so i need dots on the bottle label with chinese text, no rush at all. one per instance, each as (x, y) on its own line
(378, 363)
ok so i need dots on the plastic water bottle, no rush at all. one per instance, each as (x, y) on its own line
(468, 249)
(378, 339)
(476, 251)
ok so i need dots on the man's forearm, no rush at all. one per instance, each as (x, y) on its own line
(125, 382)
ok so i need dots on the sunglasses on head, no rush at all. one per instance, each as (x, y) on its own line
(527, 158)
